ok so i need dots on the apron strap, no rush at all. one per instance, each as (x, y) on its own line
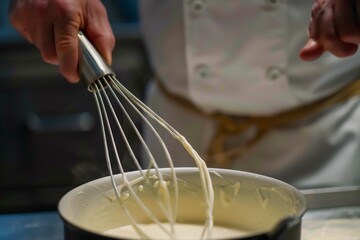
(229, 126)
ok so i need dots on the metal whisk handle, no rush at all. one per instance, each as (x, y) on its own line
(92, 66)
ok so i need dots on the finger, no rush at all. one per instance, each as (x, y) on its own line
(12, 5)
(326, 34)
(66, 45)
(346, 22)
(46, 43)
(357, 13)
(316, 15)
(99, 31)
(104, 43)
(19, 18)
(45, 39)
(311, 51)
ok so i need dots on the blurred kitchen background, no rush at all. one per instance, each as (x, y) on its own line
(50, 139)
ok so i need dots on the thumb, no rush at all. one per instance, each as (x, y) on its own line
(311, 51)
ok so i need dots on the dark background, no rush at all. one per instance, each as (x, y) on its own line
(50, 137)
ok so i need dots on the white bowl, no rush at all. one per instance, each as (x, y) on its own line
(260, 205)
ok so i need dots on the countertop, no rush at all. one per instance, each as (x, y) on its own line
(341, 223)
(333, 214)
(31, 226)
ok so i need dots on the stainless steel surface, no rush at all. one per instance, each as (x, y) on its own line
(332, 197)
(340, 223)
(91, 64)
(349, 212)
(333, 214)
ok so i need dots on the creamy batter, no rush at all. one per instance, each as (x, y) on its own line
(183, 231)
(164, 195)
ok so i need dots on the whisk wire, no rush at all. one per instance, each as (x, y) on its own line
(107, 156)
(99, 91)
(131, 100)
(166, 196)
(205, 177)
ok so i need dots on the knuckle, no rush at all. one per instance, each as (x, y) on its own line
(14, 21)
(69, 21)
(342, 50)
(66, 10)
(49, 56)
(329, 35)
(101, 9)
(40, 7)
(15, 13)
(341, 53)
(315, 9)
(310, 30)
(112, 40)
(351, 37)
(318, 9)
(319, 5)
(64, 42)
(62, 5)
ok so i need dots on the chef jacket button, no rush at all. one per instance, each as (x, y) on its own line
(273, 73)
(271, 1)
(197, 6)
(270, 4)
(202, 71)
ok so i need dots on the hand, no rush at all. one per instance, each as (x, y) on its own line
(334, 27)
(52, 26)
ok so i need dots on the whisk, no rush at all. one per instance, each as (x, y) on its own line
(110, 97)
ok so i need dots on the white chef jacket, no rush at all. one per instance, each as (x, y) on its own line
(240, 57)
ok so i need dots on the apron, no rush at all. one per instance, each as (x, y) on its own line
(240, 57)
